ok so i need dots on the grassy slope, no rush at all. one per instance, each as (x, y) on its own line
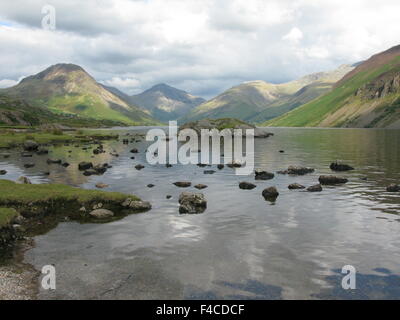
(312, 113)
(74, 94)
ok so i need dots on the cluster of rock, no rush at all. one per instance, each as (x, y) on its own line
(89, 169)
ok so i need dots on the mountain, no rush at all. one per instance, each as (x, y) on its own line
(368, 96)
(67, 89)
(257, 101)
(165, 102)
(18, 112)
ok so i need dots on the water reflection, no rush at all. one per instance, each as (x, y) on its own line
(241, 246)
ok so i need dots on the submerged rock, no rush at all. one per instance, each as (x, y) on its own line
(294, 186)
(246, 185)
(101, 213)
(332, 180)
(183, 184)
(393, 188)
(335, 166)
(101, 185)
(263, 175)
(315, 188)
(23, 180)
(270, 193)
(55, 161)
(192, 202)
(29, 165)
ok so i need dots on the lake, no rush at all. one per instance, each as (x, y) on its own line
(241, 247)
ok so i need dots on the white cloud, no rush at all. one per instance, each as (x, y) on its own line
(294, 35)
(6, 83)
(203, 46)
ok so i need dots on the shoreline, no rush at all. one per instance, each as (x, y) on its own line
(18, 279)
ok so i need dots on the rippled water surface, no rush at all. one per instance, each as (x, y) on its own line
(241, 247)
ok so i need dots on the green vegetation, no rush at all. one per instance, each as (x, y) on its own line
(315, 112)
(67, 94)
(9, 138)
(6, 216)
(257, 101)
(25, 194)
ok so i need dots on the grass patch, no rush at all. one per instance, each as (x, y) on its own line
(6, 216)
(26, 194)
(10, 138)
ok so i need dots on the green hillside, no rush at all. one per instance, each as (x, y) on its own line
(257, 101)
(356, 101)
(67, 90)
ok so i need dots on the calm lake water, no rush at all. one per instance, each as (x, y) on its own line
(241, 247)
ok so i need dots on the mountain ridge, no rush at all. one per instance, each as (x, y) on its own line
(69, 89)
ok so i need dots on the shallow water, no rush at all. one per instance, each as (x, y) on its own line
(241, 247)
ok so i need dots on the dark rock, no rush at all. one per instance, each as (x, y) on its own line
(183, 184)
(209, 171)
(315, 188)
(150, 185)
(201, 165)
(296, 186)
(200, 186)
(281, 151)
(53, 161)
(234, 164)
(168, 196)
(192, 203)
(42, 151)
(65, 164)
(393, 188)
(270, 193)
(139, 167)
(246, 185)
(220, 166)
(340, 167)
(30, 145)
(3, 172)
(85, 165)
(282, 172)
(134, 150)
(324, 180)
(168, 165)
(90, 172)
(297, 170)
(263, 175)
(100, 169)
(29, 165)
(132, 158)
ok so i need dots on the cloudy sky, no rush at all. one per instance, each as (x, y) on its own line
(202, 46)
